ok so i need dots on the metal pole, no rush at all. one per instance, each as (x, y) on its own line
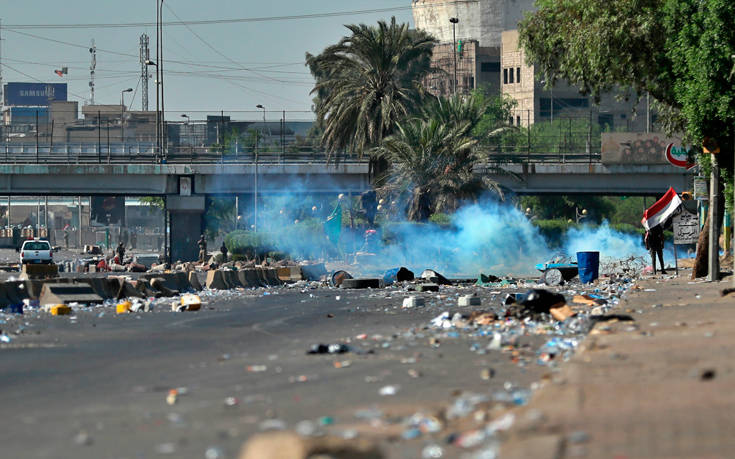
(38, 219)
(164, 140)
(648, 113)
(108, 141)
(79, 229)
(99, 137)
(45, 213)
(255, 185)
(714, 228)
(237, 210)
(9, 224)
(158, 83)
(36, 136)
(454, 41)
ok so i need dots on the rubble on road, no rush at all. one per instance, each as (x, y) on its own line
(490, 315)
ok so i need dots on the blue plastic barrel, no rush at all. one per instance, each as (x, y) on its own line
(588, 264)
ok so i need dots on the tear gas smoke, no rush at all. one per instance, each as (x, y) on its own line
(489, 237)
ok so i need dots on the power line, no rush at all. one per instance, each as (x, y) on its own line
(221, 21)
(118, 53)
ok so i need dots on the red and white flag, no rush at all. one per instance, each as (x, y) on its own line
(661, 209)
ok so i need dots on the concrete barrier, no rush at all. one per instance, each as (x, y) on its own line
(125, 289)
(194, 281)
(290, 273)
(104, 287)
(178, 280)
(261, 277)
(181, 279)
(271, 276)
(38, 271)
(160, 284)
(248, 277)
(231, 279)
(68, 293)
(144, 287)
(313, 272)
(216, 280)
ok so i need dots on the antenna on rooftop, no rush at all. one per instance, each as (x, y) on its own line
(145, 56)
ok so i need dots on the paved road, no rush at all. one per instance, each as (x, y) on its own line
(95, 385)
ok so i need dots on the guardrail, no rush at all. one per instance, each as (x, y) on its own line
(89, 154)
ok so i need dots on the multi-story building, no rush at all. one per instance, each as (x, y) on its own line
(488, 55)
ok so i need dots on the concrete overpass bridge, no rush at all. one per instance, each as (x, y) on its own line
(185, 179)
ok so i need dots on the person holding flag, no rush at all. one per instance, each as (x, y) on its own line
(653, 220)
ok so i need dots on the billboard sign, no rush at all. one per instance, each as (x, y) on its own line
(636, 147)
(107, 210)
(34, 93)
(686, 227)
(678, 156)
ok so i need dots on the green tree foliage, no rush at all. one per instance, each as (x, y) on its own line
(428, 158)
(367, 82)
(548, 207)
(679, 51)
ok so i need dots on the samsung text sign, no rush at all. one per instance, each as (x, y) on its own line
(34, 93)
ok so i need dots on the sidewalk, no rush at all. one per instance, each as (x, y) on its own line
(662, 386)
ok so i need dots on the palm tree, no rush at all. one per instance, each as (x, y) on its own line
(367, 82)
(424, 157)
(476, 116)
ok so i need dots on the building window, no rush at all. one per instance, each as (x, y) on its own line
(510, 121)
(518, 120)
(505, 76)
(490, 67)
(518, 74)
(510, 76)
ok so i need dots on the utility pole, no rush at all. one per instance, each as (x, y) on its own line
(92, 67)
(714, 229)
(145, 56)
(2, 93)
(164, 140)
(454, 22)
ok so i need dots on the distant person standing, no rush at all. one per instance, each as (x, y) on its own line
(654, 240)
(66, 236)
(223, 249)
(202, 243)
(121, 251)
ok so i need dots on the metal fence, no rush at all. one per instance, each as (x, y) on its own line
(570, 139)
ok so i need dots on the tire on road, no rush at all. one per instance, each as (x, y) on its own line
(553, 277)
(360, 283)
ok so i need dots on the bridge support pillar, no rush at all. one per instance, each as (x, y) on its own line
(186, 225)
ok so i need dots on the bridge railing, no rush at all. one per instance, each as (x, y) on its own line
(146, 154)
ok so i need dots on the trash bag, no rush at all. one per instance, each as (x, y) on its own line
(397, 275)
(435, 277)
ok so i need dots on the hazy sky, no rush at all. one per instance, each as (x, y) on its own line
(232, 67)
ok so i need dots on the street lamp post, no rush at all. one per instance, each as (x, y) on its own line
(158, 123)
(580, 215)
(122, 115)
(255, 181)
(454, 22)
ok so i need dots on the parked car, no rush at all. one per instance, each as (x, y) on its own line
(36, 251)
